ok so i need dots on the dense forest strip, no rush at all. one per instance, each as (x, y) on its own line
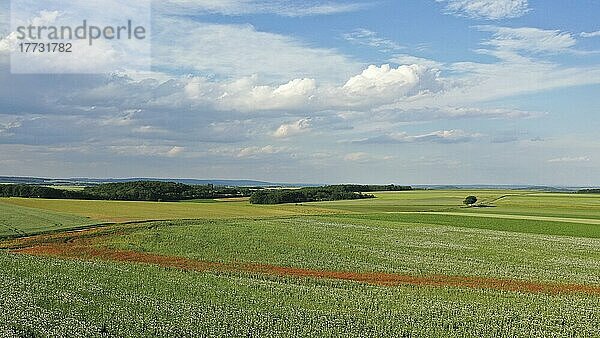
(320, 194)
(128, 191)
(170, 192)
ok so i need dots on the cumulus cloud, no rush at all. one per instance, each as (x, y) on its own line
(294, 128)
(487, 9)
(386, 83)
(246, 94)
(374, 86)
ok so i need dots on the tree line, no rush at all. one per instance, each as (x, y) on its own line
(170, 191)
(317, 194)
(589, 191)
(128, 191)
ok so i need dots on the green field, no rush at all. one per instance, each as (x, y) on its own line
(363, 244)
(504, 202)
(528, 265)
(72, 298)
(19, 221)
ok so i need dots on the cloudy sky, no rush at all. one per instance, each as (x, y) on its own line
(408, 92)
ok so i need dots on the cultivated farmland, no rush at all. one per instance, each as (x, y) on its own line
(406, 264)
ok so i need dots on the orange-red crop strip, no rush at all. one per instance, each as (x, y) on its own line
(79, 250)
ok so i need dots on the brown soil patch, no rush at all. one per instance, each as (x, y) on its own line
(82, 248)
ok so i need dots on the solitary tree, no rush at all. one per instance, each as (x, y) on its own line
(470, 200)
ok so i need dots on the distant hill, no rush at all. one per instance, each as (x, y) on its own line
(83, 181)
(92, 181)
(234, 183)
(498, 187)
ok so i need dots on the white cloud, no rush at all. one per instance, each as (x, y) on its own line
(487, 9)
(590, 34)
(433, 113)
(520, 69)
(406, 59)
(385, 82)
(10, 42)
(357, 157)
(257, 151)
(369, 38)
(375, 86)
(245, 95)
(146, 150)
(45, 18)
(101, 56)
(195, 108)
(175, 151)
(365, 158)
(529, 39)
(441, 136)
(237, 51)
(570, 159)
(243, 7)
(149, 130)
(5, 128)
(323, 9)
(294, 128)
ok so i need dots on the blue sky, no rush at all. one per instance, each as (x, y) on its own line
(408, 92)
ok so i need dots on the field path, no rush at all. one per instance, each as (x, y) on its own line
(499, 198)
(504, 216)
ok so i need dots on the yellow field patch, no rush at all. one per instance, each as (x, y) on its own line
(121, 211)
